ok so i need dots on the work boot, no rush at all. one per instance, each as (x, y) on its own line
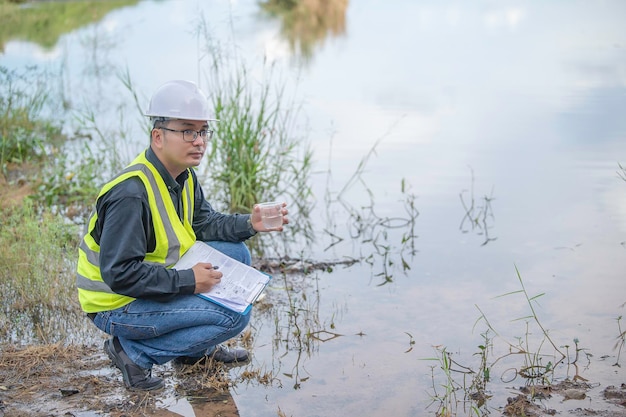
(136, 378)
(225, 354)
(221, 353)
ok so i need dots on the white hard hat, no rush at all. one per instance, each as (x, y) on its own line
(179, 99)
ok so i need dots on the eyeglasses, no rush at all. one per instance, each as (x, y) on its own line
(190, 135)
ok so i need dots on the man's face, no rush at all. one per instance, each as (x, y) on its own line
(174, 143)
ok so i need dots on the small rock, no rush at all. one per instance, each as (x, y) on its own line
(66, 392)
(574, 394)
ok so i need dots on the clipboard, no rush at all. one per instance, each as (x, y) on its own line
(241, 284)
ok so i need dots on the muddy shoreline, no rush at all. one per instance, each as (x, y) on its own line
(79, 380)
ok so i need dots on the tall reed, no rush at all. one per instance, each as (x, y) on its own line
(25, 132)
(259, 151)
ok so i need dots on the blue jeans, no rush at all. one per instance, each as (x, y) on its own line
(153, 332)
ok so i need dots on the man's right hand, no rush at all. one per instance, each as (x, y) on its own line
(206, 277)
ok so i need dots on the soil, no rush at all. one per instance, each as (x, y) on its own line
(526, 403)
(56, 380)
(14, 188)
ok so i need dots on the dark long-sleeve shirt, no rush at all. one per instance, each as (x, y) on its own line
(125, 234)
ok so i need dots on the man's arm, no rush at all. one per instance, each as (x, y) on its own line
(209, 224)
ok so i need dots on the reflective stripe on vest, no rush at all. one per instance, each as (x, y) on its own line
(173, 236)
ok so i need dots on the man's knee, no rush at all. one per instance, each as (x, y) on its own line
(236, 250)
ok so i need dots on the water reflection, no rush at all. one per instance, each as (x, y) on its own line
(386, 242)
(381, 247)
(296, 317)
(478, 217)
(210, 404)
(200, 391)
(307, 23)
(43, 23)
(98, 44)
(42, 324)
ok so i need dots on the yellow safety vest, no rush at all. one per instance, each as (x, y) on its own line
(173, 236)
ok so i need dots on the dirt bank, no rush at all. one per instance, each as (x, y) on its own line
(56, 380)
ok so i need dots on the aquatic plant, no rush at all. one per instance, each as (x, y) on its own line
(25, 131)
(537, 366)
(621, 341)
(388, 250)
(478, 217)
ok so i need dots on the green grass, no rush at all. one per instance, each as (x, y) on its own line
(25, 132)
(37, 259)
(33, 147)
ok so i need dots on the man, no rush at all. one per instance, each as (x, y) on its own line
(144, 220)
